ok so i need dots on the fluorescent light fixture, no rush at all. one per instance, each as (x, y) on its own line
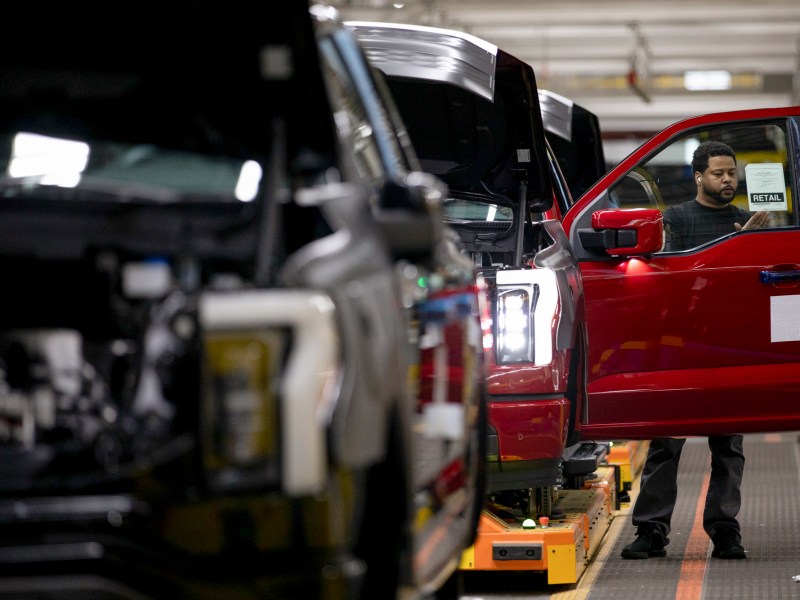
(706, 80)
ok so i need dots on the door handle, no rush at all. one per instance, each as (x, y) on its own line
(779, 276)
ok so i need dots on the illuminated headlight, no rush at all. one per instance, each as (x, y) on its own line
(272, 363)
(514, 323)
(525, 313)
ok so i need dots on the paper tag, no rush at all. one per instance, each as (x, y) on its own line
(766, 188)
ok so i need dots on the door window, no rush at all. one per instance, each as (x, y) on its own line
(763, 170)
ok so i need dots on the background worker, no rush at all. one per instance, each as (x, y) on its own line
(710, 215)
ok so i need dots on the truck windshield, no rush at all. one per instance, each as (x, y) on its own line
(456, 209)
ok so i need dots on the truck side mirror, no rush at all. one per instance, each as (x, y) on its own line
(625, 232)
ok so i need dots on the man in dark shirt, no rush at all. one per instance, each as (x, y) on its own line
(710, 215)
(707, 217)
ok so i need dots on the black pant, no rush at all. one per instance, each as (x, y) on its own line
(659, 486)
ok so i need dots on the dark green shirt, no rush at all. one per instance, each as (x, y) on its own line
(690, 224)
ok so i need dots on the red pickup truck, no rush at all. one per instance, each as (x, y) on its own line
(672, 343)
(472, 112)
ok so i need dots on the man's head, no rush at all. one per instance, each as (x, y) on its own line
(714, 167)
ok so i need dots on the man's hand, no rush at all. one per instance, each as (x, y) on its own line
(757, 221)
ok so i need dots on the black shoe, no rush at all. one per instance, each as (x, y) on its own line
(728, 546)
(647, 544)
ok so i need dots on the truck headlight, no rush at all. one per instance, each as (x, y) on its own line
(270, 387)
(514, 308)
(525, 315)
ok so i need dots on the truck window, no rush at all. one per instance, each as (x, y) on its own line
(764, 172)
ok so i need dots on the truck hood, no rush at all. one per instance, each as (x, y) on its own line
(575, 138)
(471, 109)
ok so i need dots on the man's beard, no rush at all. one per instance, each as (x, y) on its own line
(723, 197)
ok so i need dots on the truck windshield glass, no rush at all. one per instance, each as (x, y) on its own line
(469, 210)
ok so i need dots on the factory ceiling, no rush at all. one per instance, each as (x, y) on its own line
(638, 64)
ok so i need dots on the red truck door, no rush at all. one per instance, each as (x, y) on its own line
(704, 340)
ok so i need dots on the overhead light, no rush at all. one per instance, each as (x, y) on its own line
(707, 80)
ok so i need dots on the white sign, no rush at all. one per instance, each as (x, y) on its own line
(766, 188)
(784, 312)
